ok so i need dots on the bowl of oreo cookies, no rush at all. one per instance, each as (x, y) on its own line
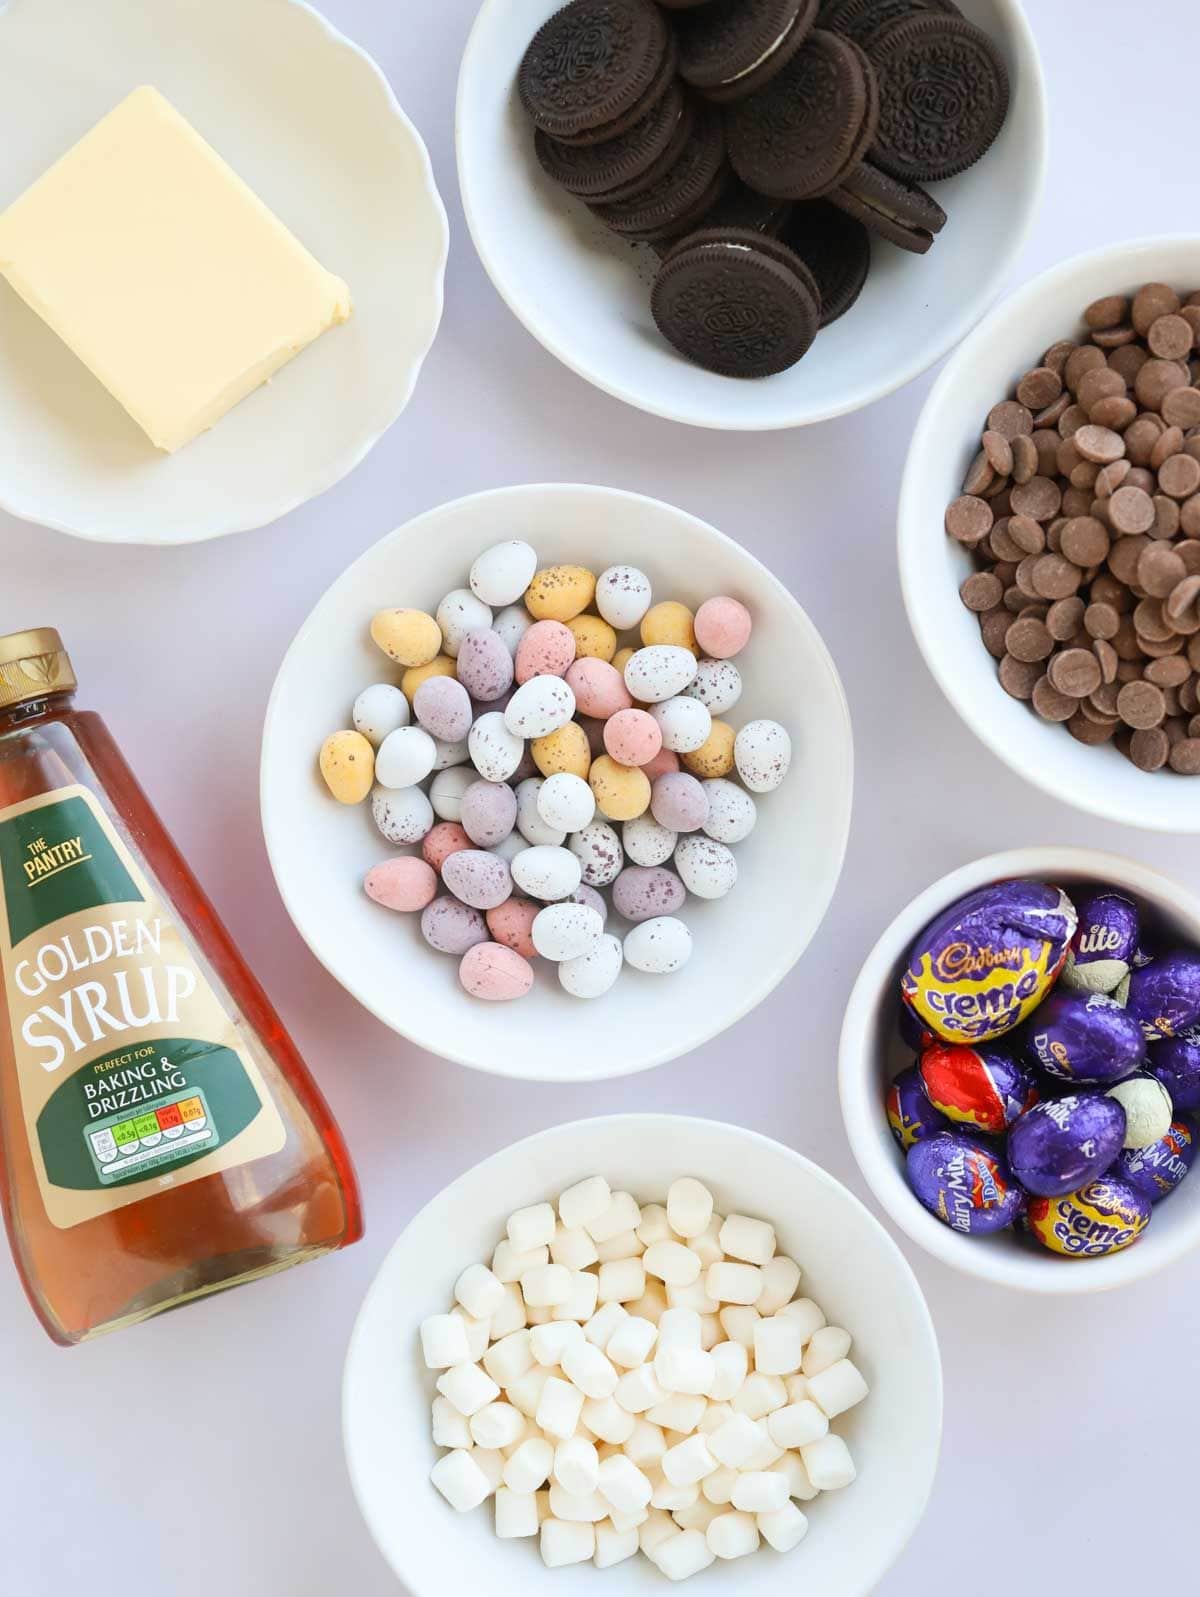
(817, 197)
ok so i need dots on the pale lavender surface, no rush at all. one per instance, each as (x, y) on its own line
(206, 1447)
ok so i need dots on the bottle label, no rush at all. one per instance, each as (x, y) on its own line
(133, 1077)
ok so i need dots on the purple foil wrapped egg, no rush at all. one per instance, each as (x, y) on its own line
(980, 1088)
(1104, 945)
(965, 1185)
(914, 1033)
(910, 1114)
(986, 962)
(1176, 1063)
(1165, 995)
(1080, 1039)
(1103, 1216)
(1157, 1170)
(1063, 1143)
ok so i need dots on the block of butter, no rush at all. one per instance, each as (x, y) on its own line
(163, 271)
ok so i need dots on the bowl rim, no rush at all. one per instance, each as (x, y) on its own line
(424, 1037)
(902, 1531)
(261, 512)
(1025, 48)
(913, 536)
(866, 1125)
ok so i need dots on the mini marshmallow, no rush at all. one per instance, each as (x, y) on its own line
(714, 1417)
(573, 1247)
(646, 1444)
(733, 1535)
(622, 1281)
(516, 1513)
(710, 1332)
(825, 1347)
(590, 1370)
(511, 1315)
(698, 1517)
(638, 1391)
(627, 1522)
(688, 1462)
(491, 1462)
(604, 1323)
(783, 1528)
(479, 1291)
(614, 1546)
(759, 1396)
(668, 1495)
(679, 1412)
(497, 1425)
(791, 1467)
(625, 1245)
(718, 1487)
(584, 1508)
(479, 1333)
(450, 1428)
(750, 1240)
(768, 1453)
(539, 1316)
(689, 1207)
(632, 1341)
(563, 1544)
(760, 1492)
(467, 1387)
(837, 1388)
(657, 1528)
(738, 1323)
(654, 1227)
(460, 1480)
(532, 1227)
(733, 1283)
(526, 1393)
(797, 1388)
(558, 1408)
(584, 1202)
(731, 1364)
(622, 1214)
(529, 1467)
(510, 1264)
(546, 1285)
(797, 1425)
(679, 1328)
(693, 1296)
(672, 1262)
(736, 1443)
(707, 1246)
(444, 1342)
(508, 1359)
(653, 1305)
(548, 1343)
(683, 1555)
(623, 1486)
(778, 1345)
(781, 1277)
(828, 1463)
(580, 1302)
(605, 1418)
(684, 1369)
(576, 1466)
(810, 1315)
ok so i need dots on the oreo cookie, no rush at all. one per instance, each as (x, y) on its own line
(682, 195)
(734, 47)
(835, 248)
(596, 68)
(620, 167)
(861, 20)
(900, 212)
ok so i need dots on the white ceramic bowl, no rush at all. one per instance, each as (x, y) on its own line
(932, 566)
(851, 1267)
(872, 1054)
(586, 295)
(311, 124)
(744, 945)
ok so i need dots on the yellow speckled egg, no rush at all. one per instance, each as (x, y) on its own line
(622, 792)
(622, 658)
(440, 666)
(714, 757)
(594, 638)
(348, 766)
(410, 637)
(565, 750)
(669, 622)
(560, 593)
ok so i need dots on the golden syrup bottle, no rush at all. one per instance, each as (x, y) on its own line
(162, 1138)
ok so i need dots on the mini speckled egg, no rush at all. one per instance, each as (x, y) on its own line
(461, 612)
(547, 649)
(405, 757)
(591, 975)
(658, 946)
(443, 707)
(410, 637)
(559, 593)
(664, 763)
(632, 737)
(598, 850)
(731, 811)
(539, 707)
(646, 842)
(451, 927)
(495, 973)
(510, 923)
(478, 878)
(564, 750)
(446, 755)
(495, 751)
(678, 802)
(621, 659)
(446, 792)
(348, 766)
(723, 627)
(405, 884)
(623, 596)
(440, 666)
(763, 753)
(547, 872)
(511, 625)
(530, 823)
(564, 931)
(717, 684)
(489, 812)
(715, 756)
(1147, 1106)
(599, 689)
(641, 892)
(502, 573)
(594, 638)
(402, 814)
(566, 802)
(685, 723)
(378, 710)
(442, 840)
(669, 623)
(585, 894)
(708, 868)
(622, 791)
(485, 666)
(659, 672)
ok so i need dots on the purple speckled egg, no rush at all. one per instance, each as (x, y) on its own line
(964, 1184)
(643, 891)
(1165, 996)
(443, 707)
(451, 927)
(586, 894)
(910, 1114)
(1157, 1170)
(479, 879)
(678, 802)
(1089, 1039)
(485, 667)
(1176, 1063)
(1061, 1144)
(489, 813)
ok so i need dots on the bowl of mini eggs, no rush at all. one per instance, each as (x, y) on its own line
(538, 748)
(654, 1344)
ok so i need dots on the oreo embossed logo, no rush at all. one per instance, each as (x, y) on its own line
(935, 96)
(730, 318)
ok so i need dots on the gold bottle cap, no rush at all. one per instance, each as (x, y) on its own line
(32, 665)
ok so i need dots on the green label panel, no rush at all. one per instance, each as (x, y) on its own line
(56, 861)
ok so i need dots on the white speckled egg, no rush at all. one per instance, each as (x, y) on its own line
(539, 707)
(502, 573)
(378, 710)
(684, 723)
(623, 596)
(546, 872)
(762, 753)
(659, 672)
(405, 757)
(706, 867)
(460, 612)
(717, 684)
(447, 789)
(565, 801)
(646, 842)
(511, 625)
(598, 850)
(591, 975)
(530, 823)
(402, 814)
(564, 931)
(658, 946)
(731, 811)
(495, 750)
(449, 754)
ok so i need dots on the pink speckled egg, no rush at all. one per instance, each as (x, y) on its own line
(632, 737)
(599, 688)
(406, 884)
(547, 649)
(723, 627)
(664, 763)
(510, 923)
(495, 973)
(678, 802)
(446, 838)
